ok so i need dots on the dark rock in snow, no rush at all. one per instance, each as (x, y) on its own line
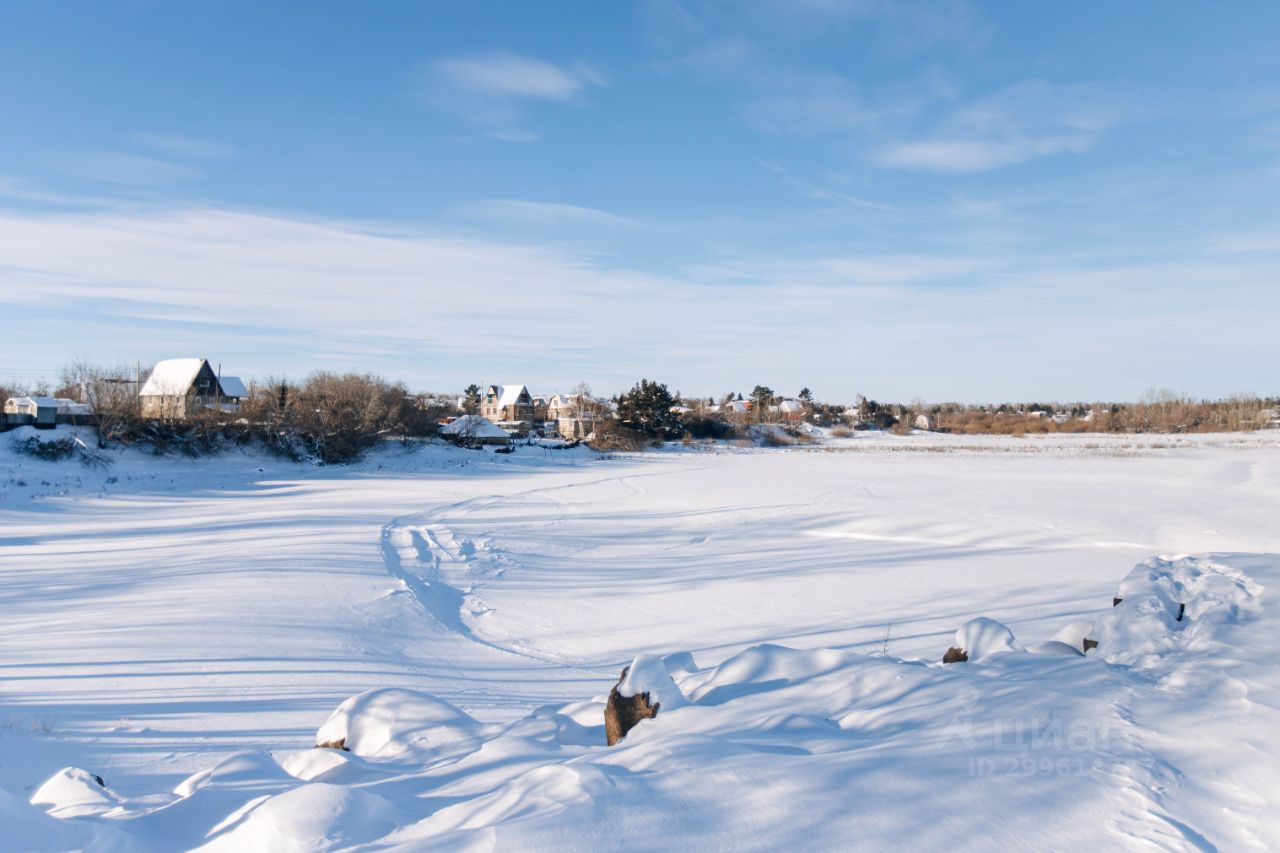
(622, 713)
(1090, 644)
(955, 655)
(334, 744)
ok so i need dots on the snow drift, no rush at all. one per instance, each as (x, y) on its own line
(818, 748)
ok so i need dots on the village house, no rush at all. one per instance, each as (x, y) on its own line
(541, 409)
(791, 411)
(180, 387)
(507, 404)
(576, 416)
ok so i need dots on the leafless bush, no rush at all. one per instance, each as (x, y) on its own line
(705, 426)
(613, 436)
(57, 449)
(775, 438)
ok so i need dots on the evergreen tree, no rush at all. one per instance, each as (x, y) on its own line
(471, 399)
(805, 396)
(646, 409)
(762, 397)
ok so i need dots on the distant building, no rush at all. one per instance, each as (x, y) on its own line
(923, 422)
(790, 410)
(474, 430)
(510, 404)
(40, 412)
(576, 416)
(180, 387)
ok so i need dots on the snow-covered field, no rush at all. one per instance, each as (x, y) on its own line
(184, 628)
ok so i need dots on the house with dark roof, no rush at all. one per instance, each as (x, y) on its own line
(180, 387)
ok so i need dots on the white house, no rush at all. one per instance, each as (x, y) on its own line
(178, 387)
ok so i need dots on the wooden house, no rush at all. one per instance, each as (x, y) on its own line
(507, 404)
(180, 387)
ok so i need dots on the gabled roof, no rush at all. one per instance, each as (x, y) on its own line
(41, 402)
(509, 395)
(232, 386)
(172, 377)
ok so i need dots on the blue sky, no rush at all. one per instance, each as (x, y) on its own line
(947, 201)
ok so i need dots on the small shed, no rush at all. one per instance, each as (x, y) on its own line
(40, 412)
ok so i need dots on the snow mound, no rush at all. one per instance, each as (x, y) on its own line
(311, 817)
(1174, 603)
(1075, 633)
(1054, 647)
(391, 721)
(981, 637)
(765, 667)
(247, 769)
(72, 792)
(316, 765)
(25, 827)
(648, 674)
(784, 748)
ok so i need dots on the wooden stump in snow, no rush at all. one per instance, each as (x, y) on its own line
(621, 713)
(955, 655)
(1090, 644)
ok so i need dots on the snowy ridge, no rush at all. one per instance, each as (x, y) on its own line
(1079, 750)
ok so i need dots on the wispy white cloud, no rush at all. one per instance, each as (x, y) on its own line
(515, 136)
(120, 167)
(977, 155)
(811, 103)
(503, 74)
(495, 89)
(441, 310)
(540, 213)
(185, 147)
(1022, 122)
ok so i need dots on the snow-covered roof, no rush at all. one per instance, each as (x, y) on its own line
(791, 406)
(232, 386)
(67, 406)
(509, 395)
(474, 426)
(172, 377)
(42, 402)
